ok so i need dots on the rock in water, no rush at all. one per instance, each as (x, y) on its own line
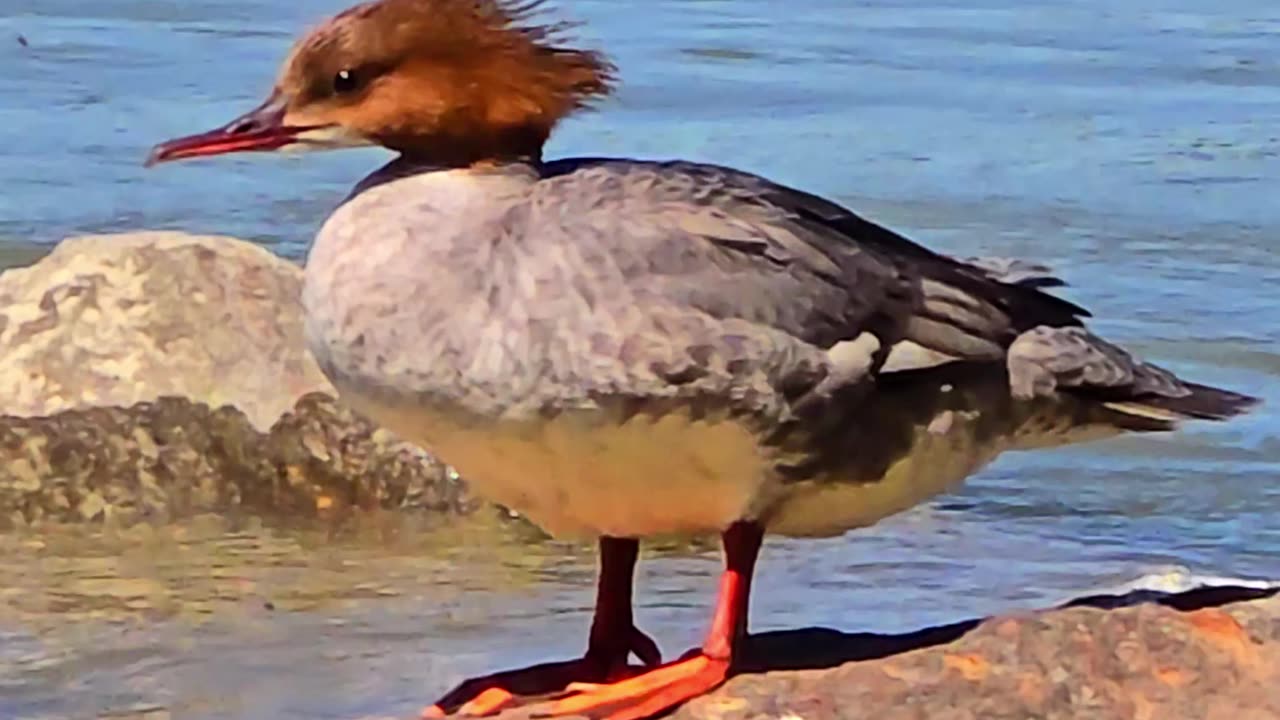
(174, 458)
(153, 376)
(113, 320)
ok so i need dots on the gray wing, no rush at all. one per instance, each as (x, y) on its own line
(734, 245)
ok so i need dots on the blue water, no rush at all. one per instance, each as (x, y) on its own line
(1135, 146)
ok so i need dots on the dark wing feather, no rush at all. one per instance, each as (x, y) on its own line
(1025, 304)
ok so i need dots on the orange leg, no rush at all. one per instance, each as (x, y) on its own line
(663, 688)
(613, 639)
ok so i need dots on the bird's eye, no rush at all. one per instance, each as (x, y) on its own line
(345, 81)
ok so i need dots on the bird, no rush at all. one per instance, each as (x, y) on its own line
(620, 348)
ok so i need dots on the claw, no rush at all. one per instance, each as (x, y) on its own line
(489, 702)
(645, 648)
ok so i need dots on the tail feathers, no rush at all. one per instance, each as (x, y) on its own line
(1016, 271)
(1201, 403)
(1142, 396)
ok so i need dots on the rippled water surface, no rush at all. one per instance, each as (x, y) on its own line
(1135, 146)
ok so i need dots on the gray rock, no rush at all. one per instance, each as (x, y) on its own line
(113, 320)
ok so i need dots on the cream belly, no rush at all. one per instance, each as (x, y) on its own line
(578, 476)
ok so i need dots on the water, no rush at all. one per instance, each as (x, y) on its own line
(1134, 146)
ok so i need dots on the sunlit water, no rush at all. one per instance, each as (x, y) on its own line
(1135, 146)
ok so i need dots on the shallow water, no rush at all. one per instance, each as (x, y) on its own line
(1134, 146)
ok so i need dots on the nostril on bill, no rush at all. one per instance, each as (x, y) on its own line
(242, 126)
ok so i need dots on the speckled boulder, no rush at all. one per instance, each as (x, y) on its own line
(112, 320)
(173, 458)
(355, 464)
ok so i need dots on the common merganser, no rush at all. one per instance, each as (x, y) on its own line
(621, 348)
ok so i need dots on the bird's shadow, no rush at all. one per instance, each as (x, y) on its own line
(824, 648)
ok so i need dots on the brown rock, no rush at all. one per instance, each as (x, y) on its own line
(1180, 659)
(112, 320)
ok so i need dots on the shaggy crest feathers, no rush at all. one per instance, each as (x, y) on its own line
(389, 32)
(493, 77)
